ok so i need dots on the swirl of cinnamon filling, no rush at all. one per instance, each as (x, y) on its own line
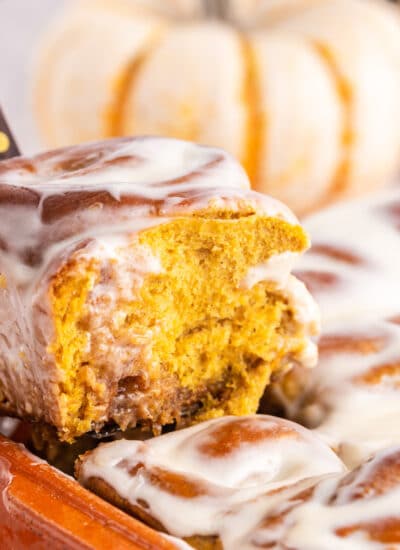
(201, 480)
(357, 511)
(116, 185)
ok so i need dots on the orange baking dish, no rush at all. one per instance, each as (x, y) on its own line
(41, 508)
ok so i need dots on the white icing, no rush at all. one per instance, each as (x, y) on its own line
(363, 228)
(363, 500)
(276, 269)
(373, 425)
(178, 543)
(243, 474)
(158, 160)
(306, 313)
(129, 265)
(234, 509)
(312, 513)
(8, 426)
(153, 172)
(313, 523)
(143, 167)
(305, 308)
(356, 417)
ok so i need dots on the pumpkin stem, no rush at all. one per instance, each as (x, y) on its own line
(216, 9)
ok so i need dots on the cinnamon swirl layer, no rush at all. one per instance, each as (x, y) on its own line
(359, 510)
(250, 483)
(211, 483)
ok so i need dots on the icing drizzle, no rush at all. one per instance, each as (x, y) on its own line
(354, 273)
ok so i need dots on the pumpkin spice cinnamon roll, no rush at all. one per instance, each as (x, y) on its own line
(144, 283)
(250, 483)
(357, 510)
(212, 483)
(358, 371)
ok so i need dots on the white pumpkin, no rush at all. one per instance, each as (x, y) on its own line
(202, 95)
(304, 92)
(83, 67)
(301, 121)
(360, 53)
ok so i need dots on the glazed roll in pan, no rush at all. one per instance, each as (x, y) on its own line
(354, 275)
(250, 482)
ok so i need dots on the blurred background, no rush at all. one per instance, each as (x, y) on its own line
(305, 93)
(21, 25)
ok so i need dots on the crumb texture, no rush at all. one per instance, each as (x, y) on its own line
(180, 343)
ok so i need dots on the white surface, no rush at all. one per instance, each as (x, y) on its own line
(21, 22)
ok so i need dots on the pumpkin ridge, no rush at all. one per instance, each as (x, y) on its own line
(41, 83)
(345, 96)
(124, 84)
(255, 121)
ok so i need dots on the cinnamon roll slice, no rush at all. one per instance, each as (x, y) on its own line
(143, 282)
(212, 483)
